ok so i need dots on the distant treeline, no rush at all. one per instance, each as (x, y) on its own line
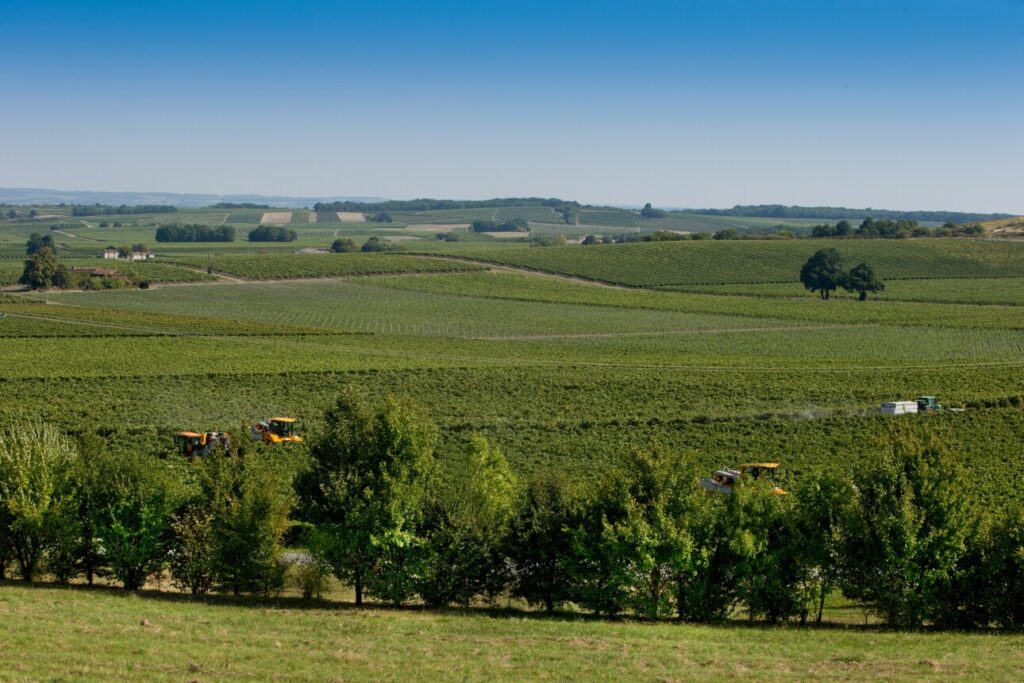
(780, 211)
(272, 233)
(238, 205)
(514, 225)
(123, 209)
(195, 232)
(441, 204)
(890, 229)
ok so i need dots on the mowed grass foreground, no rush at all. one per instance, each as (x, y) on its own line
(104, 634)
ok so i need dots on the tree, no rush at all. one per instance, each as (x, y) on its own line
(1005, 571)
(773, 580)
(35, 462)
(652, 538)
(344, 246)
(862, 279)
(727, 234)
(541, 541)
(381, 217)
(823, 272)
(592, 239)
(465, 527)
(272, 233)
(12, 214)
(823, 506)
(134, 529)
(37, 242)
(365, 489)
(43, 270)
(707, 590)
(907, 532)
(375, 244)
(650, 212)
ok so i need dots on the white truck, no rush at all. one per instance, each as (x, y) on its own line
(899, 407)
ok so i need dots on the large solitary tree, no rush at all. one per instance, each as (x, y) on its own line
(823, 272)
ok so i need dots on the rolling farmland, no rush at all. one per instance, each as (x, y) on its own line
(560, 369)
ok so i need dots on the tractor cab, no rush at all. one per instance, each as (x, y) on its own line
(276, 430)
(928, 403)
(723, 480)
(189, 444)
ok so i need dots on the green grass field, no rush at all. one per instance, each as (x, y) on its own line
(52, 634)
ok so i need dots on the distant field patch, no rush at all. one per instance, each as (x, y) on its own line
(288, 266)
(277, 217)
(327, 217)
(303, 217)
(351, 217)
(436, 227)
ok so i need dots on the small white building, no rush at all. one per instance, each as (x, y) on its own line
(141, 256)
(110, 253)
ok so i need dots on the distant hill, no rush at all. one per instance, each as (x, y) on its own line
(837, 212)
(1005, 227)
(24, 196)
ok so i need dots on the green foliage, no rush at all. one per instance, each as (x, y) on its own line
(272, 233)
(650, 212)
(37, 242)
(134, 528)
(541, 541)
(43, 270)
(366, 489)
(862, 279)
(195, 232)
(651, 541)
(466, 525)
(823, 272)
(35, 489)
(908, 531)
(344, 246)
(513, 225)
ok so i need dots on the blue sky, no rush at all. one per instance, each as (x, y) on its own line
(897, 104)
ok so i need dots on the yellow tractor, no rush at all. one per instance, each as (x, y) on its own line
(725, 479)
(276, 430)
(195, 444)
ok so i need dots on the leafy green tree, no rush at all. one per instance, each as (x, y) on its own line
(823, 272)
(598, 572)
(43, 270)
(862, 279)
(466, 525)
(344, 246)
(193, 560)
(1004, 570)
(650, 212)
(35, 461)
(727, 234)
(541, 541)
(375, 244)
(134, 528)
(908, 530)
(706, 591)
(823, 505)
(366, 489)
(37, 242)
(773, 579)
(652, 538)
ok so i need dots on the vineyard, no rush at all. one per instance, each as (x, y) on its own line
(556, 372)
(287, 265)
(662, 264)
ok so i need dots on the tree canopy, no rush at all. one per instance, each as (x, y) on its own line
(823, 272)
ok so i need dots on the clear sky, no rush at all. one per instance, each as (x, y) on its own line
(884, 103)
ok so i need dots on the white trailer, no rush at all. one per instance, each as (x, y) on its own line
(899, 407)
